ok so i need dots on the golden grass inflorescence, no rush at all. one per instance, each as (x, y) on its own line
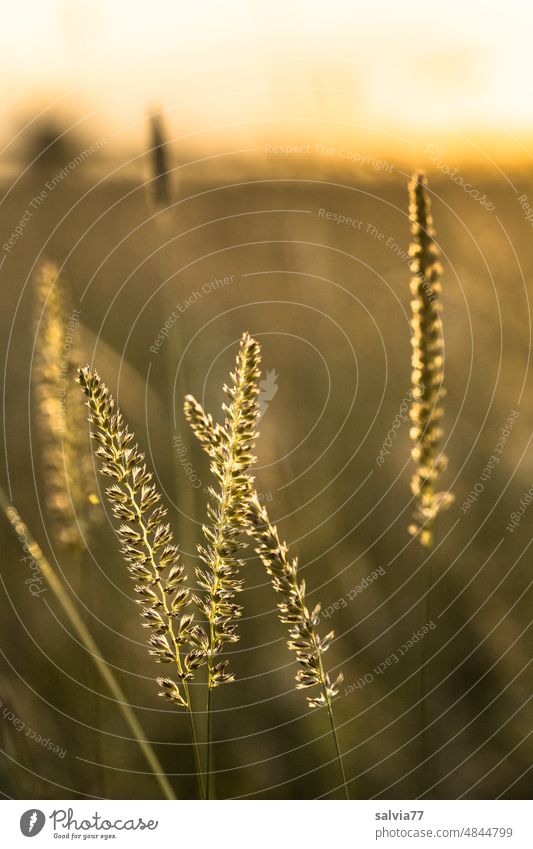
(147, 543)
(304, 638)
(237, 509)
(253, 518)
(68, 471)
(229, 446)
(427, 365)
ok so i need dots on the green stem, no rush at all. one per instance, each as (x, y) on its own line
(329, 706)
(83, 633)
(337, 748)
(424, 655)
(209, 742)
(196, 749)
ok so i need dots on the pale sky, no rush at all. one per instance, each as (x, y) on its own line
(458, 68)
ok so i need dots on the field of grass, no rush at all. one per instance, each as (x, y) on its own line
(259, 245)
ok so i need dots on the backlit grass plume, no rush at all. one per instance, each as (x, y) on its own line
(427, 364)
(68, 471)
(147, 544)
(293, 611)
(229, 446)
(304, 638)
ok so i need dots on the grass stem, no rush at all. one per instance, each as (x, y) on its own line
(423, 679)
(49, 574)
(329, 706)
(337, 748)
(209, 742)
(194, 739)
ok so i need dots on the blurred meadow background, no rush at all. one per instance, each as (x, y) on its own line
(286, 138)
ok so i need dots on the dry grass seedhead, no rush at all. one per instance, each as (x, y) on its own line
(229, 446)
(427, 364)
(68, 472)
(303, 633)
(147, 543)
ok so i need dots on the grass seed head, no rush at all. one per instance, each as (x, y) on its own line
(68, 471)
(229, 446)
(147, 543)
(304, 638)
(427, 364)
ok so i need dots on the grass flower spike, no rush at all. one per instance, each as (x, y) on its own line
(68, 471)
(229, 446)
(147, 544)
(427, 364)
(303, 633)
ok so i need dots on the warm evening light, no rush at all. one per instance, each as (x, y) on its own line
(385, 72)
(266, 487)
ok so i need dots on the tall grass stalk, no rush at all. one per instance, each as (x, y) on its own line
(304, 638)
(68, 471)
(230, 447)
(68, 475)
(427, 365)
(54, 582)
(426, 413)
(147, 546)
